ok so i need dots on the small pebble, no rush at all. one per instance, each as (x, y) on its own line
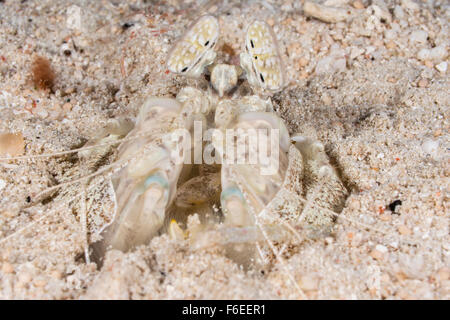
(444, 274)
(69, 90)
(9, 213)
(391, 80)
(358, 4)
(326, 99)
(381, 248)
(428, 64)
(423, 83)
(355, 204)
(40, 283)
(302, 62)
(435, 54)
(67, 107)
(399, 13)
(295, 50)
(377, 255)
(2, 184)
(56, 274)
(41, 112)
(7, 268)
(11, 144)
(377, 43)
(430, 146)
(309, 283)
(442, 67)
(24, 277)
(418, 36)
(401, 276)
(356, 52)
(326, 13)
(390, 45)
(410, 4)
(330, 64)
(404, 230)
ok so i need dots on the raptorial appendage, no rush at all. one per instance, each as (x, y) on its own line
(146, 186)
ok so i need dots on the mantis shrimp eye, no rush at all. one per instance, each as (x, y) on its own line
(192, 49)
(264, 62)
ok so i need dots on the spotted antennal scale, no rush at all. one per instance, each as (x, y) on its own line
(266, 67)
(194, 50)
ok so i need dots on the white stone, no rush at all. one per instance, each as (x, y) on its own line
(410, 4)
(418, 36)
(326, 13)
(334, 62)
(80, 19)
(2, 184)
(370, 49)
(356, 52)
(380, 11)
(336, 3)
(390, 34)
(394, 244)
(396, 27)
(430, 146)
(435, 54)
(41, 112)
(442, 67)
(381, 248)
(308, 283)
(74, 17)
(398, 12)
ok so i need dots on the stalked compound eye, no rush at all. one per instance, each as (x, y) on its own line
(190, 50)
(268, 67)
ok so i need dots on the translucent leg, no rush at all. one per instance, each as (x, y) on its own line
(142, 214)
(248, 187)
(145, 187)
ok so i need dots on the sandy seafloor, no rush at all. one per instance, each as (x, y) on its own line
(374, 89)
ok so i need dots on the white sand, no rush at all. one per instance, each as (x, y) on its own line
(370, 90)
